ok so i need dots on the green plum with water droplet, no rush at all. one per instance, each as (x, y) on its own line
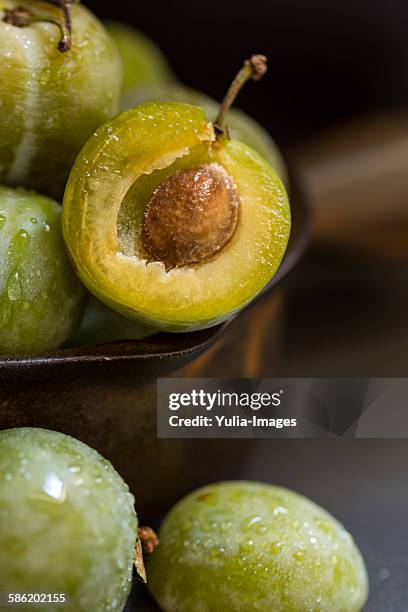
(57, 85)
(67, 522)
(40, 296)
(239, 546)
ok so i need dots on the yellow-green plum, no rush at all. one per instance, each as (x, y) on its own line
(54, 92)
(240, 546)
(40, 296)
(171, 222)
(67, 522)
(144, 65)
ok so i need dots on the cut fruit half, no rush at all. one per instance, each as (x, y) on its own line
(115, 180)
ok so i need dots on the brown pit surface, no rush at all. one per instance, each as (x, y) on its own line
(191, 216)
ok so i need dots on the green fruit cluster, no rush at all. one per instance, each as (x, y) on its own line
(68, 525)
(172, 222)
(63, 82)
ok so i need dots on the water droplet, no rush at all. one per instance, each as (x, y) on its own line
(250, 522)
(3, 219)
(54, 488)
(279, 510)
(14, 289)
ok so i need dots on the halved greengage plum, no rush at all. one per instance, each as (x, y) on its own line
(169, 221)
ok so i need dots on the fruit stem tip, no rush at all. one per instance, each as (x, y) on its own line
(65, 44)
(254, 68)
(22, 17)
(146, 542)
(148, 538)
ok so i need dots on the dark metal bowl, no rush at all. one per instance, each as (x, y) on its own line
(105, 396)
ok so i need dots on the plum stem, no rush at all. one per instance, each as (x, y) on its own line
(22, 17)
(253, 68)
(146, 542)
(148, 539)
(65, 43)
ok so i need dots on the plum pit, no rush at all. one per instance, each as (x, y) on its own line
(191, 216)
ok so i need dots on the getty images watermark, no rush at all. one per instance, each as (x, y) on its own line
(218, 401)
(220, 408)
(286, 408)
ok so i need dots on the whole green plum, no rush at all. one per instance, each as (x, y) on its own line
(240, 546)
(51, 100)
(40, 295)
(67, 522)
(101, 324)
(241, 126)
(143, 63)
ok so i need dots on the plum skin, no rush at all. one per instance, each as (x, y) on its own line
(242, 546)
(100, 324)
(241, 126)
(143, 63)
(40, 296)
(51, 102)
(67, 521)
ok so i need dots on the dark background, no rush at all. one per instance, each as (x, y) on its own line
(329, 59)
